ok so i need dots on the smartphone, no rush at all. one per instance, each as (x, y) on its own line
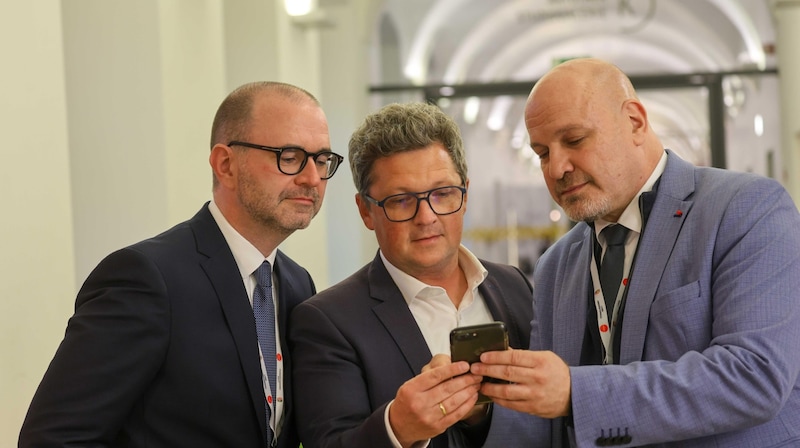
(467, 344)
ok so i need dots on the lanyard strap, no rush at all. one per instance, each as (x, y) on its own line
(605, 326)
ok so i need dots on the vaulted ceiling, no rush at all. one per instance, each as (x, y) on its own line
(425, 42)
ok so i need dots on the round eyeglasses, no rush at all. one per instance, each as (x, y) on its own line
(291, 159)
(404, 206)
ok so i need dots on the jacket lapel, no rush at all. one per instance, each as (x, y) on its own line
(392, 310)
(222, 272)
(655, 247)
(572, 301)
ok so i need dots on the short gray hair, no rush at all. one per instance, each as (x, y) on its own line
(401, 127)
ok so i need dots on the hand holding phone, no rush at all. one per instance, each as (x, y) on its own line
(467, 344)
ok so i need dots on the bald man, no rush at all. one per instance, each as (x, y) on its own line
(164, 349)
(702, 345)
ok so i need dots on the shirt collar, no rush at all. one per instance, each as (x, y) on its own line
(411, 288)
(631, 217)
(248, 257)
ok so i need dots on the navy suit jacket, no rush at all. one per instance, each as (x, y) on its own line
(162, 351)
(710, 342)
(357, 342)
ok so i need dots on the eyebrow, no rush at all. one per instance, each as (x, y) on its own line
(560, 132)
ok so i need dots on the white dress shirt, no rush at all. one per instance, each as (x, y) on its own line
(436, 314)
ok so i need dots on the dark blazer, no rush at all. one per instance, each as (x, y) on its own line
(162, 350)
(357, 342)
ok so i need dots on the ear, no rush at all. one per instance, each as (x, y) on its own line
(637, 115)
(363, 210)
(222, 164)
(466, 196)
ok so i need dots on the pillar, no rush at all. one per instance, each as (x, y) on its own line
(787, 19)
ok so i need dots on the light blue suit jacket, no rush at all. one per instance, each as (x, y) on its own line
(710, 346)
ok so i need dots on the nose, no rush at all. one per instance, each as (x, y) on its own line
(558, 163)
(425, 214)
(309, 174)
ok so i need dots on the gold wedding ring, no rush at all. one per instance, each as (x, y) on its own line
(444, 411)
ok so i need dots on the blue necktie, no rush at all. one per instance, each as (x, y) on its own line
(264, 312)
(612, 266)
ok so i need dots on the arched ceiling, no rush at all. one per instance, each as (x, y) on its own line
(455, 40)
(480, 41)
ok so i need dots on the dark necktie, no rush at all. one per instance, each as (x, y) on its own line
(264, 312)
(612, 266)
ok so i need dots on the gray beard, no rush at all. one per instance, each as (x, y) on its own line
(587, 210)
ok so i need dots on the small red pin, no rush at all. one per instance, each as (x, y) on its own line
(678, 213)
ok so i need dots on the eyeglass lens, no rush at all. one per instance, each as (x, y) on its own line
(293, 160)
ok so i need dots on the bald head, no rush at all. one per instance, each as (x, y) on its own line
(581, 82)
(592, 136)
(234, 116)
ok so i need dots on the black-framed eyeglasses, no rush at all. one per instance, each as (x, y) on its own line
(404, 206)
(291, 159)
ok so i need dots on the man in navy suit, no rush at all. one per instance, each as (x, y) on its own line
(363, 348)
(699, 346)
(162, 350)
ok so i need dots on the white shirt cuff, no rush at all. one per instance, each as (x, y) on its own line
(393, 438)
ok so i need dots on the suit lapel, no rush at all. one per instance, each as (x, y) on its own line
(294, 286)
(287, 298)
(572, 301)
(654, 250)
(221, 269)
(392, 310)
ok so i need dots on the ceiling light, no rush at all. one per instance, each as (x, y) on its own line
(298, 7)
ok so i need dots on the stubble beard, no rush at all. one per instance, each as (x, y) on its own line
(269, 212)
(586, 209)
(583, 206)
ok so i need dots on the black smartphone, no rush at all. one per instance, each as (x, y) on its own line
(467, 344)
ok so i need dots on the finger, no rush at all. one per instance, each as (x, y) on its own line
(505, 372)
(437, 361)
(434, 376)
(422, 416)
(525, 358)
(457, 386)
(459, 405)
(549, 397)
(511, 396)
(497, 391)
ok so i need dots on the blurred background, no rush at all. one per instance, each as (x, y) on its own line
(107, 106)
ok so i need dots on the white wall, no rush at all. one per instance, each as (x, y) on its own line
(143, 79)
(36, 267)
(106, 112)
